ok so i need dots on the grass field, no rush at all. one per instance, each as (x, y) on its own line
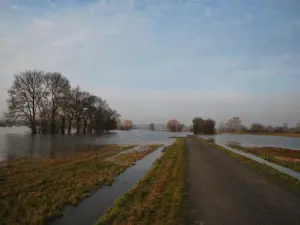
(269, 134)
(269, 173)
(33, 191)
(285, 157)
(157, 199)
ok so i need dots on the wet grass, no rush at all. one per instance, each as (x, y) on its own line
(296, 135)
(284, 157)
(275, 176)
(157, 199)
(35, 191)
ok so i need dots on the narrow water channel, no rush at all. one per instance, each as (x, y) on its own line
(88, 211)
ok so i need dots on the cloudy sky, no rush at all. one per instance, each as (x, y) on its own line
(154, 60)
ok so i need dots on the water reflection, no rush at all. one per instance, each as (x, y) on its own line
(95, 206)
(16, 142)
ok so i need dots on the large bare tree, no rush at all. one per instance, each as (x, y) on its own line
(47, 100)
(58, 87)
(24, 95)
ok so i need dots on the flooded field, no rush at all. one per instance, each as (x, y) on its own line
(15, 142)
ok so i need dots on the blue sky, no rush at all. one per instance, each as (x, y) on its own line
(154, 60)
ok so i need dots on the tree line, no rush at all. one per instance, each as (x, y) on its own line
(48, 103)
(199, 126)
(234, 124)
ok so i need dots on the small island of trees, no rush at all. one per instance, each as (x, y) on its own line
(48, 103)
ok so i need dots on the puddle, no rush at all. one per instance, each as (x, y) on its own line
(90, 209)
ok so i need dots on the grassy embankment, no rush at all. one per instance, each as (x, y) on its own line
(157, 199)
(269, 173)
(35, 191)
(269, 134)
(284, 157)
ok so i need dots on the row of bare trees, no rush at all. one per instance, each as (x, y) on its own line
(48, 103)
(234, 124)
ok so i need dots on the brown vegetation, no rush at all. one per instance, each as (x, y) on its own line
(285, 157)
(158, 197)
(33, 191)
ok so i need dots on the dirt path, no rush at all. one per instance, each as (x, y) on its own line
(223, 191)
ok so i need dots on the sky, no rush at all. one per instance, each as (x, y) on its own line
(157, 60)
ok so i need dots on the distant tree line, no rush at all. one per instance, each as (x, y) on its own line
(48, 103)
(235, 125)
(151, 126)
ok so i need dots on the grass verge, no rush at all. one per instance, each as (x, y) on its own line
(35, 191)
(284, 157)
(269, 173)
(157, 199)
(296, 135)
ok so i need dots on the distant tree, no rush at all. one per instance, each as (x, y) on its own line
(234, 124)
(279, 129)
(151, 126)
(257, 128)
(185, 129)
(270, 129)
(201, 126)
(24, 95)
(198, 127)
(209, 126)
(173, 125)
(297, 128)
(191, 128)
(285, 127)
(127, 125)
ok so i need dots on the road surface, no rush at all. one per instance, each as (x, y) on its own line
(223, 191)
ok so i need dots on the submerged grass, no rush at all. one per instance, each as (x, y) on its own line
(157, 199)
(284, 157)
(34, 191)
(275, 176)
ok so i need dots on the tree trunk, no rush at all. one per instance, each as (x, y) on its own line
(90, 126)
(84, 126)
(53, 128)
(78, 126)
(63, 122)
(33, 124)
(69, 126)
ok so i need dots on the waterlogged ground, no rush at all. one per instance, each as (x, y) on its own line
(284, 157)
(158, 197)
(33, 191)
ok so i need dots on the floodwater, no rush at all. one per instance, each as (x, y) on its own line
(16, 142)
(88, 211)
(257, 140)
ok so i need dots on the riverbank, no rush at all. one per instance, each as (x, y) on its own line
(158, 197)
(284, 157)
(269, 134)
(33, 191)
(269, 173)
